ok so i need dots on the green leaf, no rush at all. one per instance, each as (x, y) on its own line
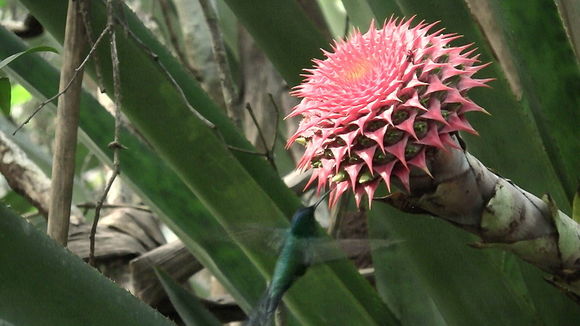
(576, 207)
(461, 280)
(399, 282)
(359, 13)
(20, 95)
(16, 203)
(5, 95)
(42, 283)
(383, 9)
(500, 148)
(509, 126)
(499, 145)
(200, 158)
(335, 17)
(549, 75)
(180, 210)
(283, 32)
(570, 11)
(191, 311)
(15, 56)
(33, 151)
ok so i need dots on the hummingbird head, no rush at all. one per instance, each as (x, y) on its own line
(303, 222)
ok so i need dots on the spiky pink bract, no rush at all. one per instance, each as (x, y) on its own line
(374, 106)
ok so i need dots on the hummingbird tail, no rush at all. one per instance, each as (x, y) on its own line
(263, 314)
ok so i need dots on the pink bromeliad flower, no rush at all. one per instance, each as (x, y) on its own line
(379, 103)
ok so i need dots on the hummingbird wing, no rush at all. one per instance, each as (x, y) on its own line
(320, 250)
(261, 237)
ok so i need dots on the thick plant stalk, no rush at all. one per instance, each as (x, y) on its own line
(66, 125)
(465, 193)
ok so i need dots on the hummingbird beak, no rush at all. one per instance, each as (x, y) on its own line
(321, 198)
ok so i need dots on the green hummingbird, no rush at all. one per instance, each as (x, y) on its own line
(291, 264)
(301, 247)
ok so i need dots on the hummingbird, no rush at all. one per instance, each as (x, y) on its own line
(291, 264)
(301, 247)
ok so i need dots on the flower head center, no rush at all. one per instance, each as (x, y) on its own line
(356, 71)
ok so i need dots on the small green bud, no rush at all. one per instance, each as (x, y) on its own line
(411, 150)
(400, 116)
(365, 141)
(453, 81)
(340, 142)
(445, 114)
(302, 141)
(328, 154)
(421, 128)
(444, 58)
(393, 135)
(375, 124)
(381, 158)
(366, 176)
(452, 107)
(316, 164)
(353, 159)
(339, 177)
(421, 90)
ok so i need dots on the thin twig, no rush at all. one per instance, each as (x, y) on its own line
(89, 205)
(167, 74)
(115, 145)
(268, 154)
(89, 32)
(247, 151)
(219, 53)
(173, 39)
(277, 123)
(260, 133)
(68, 85)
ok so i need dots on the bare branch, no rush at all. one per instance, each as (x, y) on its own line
(27, 179)
(89, 205)
(173, 258)
(23, 176)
